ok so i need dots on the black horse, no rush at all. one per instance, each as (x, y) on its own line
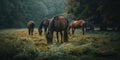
(44, 24)
(30, 26)
(58, 24)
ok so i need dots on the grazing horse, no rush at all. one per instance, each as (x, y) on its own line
(77, 24)
(44, 24)
(30, 26)
(58, 24)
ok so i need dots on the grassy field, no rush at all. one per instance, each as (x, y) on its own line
(16, 44)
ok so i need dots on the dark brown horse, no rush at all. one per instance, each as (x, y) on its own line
(77, 24)
(30, 26)
(44, 24)
(58, 24)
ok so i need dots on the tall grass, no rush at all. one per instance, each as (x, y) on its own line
(18, 45)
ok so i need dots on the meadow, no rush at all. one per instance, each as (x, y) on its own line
(16, 44)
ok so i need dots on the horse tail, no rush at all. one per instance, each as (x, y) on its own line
(33, 25)
(66, 32)
(68, 27)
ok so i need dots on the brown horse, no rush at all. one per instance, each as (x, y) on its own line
(77, 24)
(58, 24)
(44, 24)
(30, 26)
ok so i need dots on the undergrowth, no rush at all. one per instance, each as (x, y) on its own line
(99, 46)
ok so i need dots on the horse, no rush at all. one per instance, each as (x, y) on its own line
(44, 24)
(77, 24)
(58, 24)
(30, 26)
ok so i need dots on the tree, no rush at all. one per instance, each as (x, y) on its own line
(103, 12)
(15, 14)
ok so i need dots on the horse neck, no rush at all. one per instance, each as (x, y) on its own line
(51, 26)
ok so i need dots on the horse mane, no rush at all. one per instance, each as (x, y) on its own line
(51, 24)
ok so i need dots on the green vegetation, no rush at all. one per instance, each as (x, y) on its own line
(18, 45)
(103, 13)
(15, 14)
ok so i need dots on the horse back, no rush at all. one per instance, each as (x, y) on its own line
(81, 22)
(30, 25)
(61, 21)
(77, 23)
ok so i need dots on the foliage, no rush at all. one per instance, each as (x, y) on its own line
(102, 12)
(15, 14)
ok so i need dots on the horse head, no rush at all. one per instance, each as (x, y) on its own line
(49, 36)
(40, 31)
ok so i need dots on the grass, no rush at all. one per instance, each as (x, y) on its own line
(16, 44)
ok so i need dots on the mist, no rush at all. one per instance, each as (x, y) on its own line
(16, 13)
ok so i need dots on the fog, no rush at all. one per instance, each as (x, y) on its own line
(16, 13)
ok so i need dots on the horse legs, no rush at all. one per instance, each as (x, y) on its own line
(57, 37)
(45, 30)
(61, 37)
(65, 36)
(68, 30)
(83, 29)
(32, 29)
(73, 30)
(40, 31)
(29, 31)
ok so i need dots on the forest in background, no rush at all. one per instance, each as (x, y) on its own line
(16, 13)
(102, 13)
(16, 44)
